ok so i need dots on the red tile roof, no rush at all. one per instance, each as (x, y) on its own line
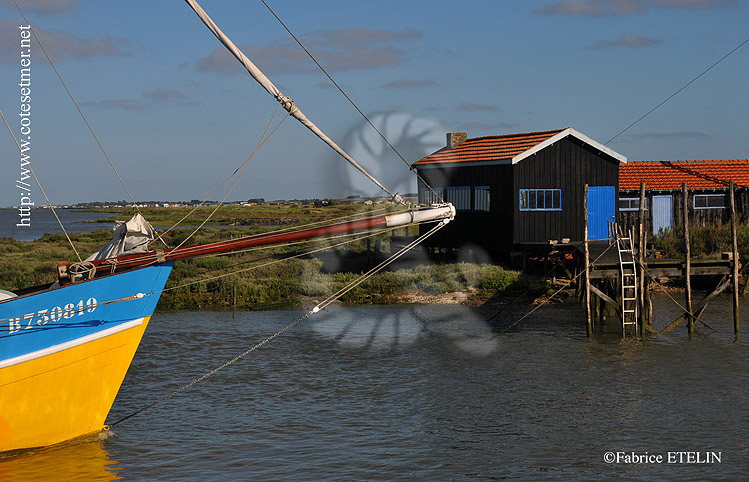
(490, 148)
(669, 175)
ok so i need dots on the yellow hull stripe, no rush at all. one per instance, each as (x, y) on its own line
(67, 393)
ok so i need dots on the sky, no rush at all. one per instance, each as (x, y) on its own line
(176, 115)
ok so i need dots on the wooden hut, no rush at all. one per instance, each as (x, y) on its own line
(707, 183)
(521, 192)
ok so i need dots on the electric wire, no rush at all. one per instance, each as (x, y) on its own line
(677, 92)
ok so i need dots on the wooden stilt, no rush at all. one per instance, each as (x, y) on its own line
(587, 264)
(641, 243)
(735, 274)
(700, 306)
(687, 262)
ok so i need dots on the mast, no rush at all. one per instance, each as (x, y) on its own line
(286, 102)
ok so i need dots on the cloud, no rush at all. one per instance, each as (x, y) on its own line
(628, 40)
(60, 45)
(477, 107)
(164, 95)
(408, 84)
(336, 50)
(44, 7)
(599, 8)
(123, 104)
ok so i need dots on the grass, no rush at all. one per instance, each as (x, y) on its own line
(248, 281)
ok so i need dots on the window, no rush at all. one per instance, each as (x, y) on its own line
(631, 204)
(540, 199)
(709, 201)
(427, 197)
(460, 197)
(481, 198)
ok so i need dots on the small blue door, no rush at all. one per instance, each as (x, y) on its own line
(663, 213)
(601, 210)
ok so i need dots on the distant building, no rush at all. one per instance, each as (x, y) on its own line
(520, 192)
(707, 183)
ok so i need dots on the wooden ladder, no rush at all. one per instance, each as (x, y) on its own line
(628, 272)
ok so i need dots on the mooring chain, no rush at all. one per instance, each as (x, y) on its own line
(200, 379)
(316, 309)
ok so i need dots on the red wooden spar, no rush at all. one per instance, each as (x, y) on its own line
(443, 213)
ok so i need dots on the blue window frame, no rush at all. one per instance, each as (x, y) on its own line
(540, 200)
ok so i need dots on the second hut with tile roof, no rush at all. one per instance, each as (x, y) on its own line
(521, 192)
(707, 183)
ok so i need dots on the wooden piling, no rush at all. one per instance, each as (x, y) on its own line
(735, 274)
(687, 261)
(587, 263)
(641, 246)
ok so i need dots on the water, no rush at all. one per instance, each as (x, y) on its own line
(43, 221)
(417, 393)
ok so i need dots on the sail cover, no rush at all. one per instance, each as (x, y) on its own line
(129, 237)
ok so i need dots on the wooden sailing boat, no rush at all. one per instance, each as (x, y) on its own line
(65, 347)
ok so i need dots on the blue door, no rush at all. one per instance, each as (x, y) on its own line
(601, 210)
(663, 213)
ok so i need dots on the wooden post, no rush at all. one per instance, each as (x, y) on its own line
(687, 262)
(587, 263)
(735, 263)
(644, 322)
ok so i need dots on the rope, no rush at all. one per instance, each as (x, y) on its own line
(244, 163)
(550, 297)
(316, 309)
(141, 295)
(325, 303)
(210, 373)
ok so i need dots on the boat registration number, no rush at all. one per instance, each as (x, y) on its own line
(51, 315)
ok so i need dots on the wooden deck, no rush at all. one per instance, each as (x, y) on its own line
(605, 264)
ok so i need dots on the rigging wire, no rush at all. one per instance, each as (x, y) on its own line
(316, 309)
(355, 237)
(31, 170)
(675, 93)
(410, 167)
(33, 32)
(246, 164)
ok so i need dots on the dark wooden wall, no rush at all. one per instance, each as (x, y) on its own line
(568, 165)
(697, 217)
(490, 230)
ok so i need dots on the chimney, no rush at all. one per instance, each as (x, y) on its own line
(455, 138)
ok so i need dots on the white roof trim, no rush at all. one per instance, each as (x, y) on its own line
(569, 132)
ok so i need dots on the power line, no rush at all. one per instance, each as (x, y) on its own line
(675, 93)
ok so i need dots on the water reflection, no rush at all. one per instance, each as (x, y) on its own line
(82, 459)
